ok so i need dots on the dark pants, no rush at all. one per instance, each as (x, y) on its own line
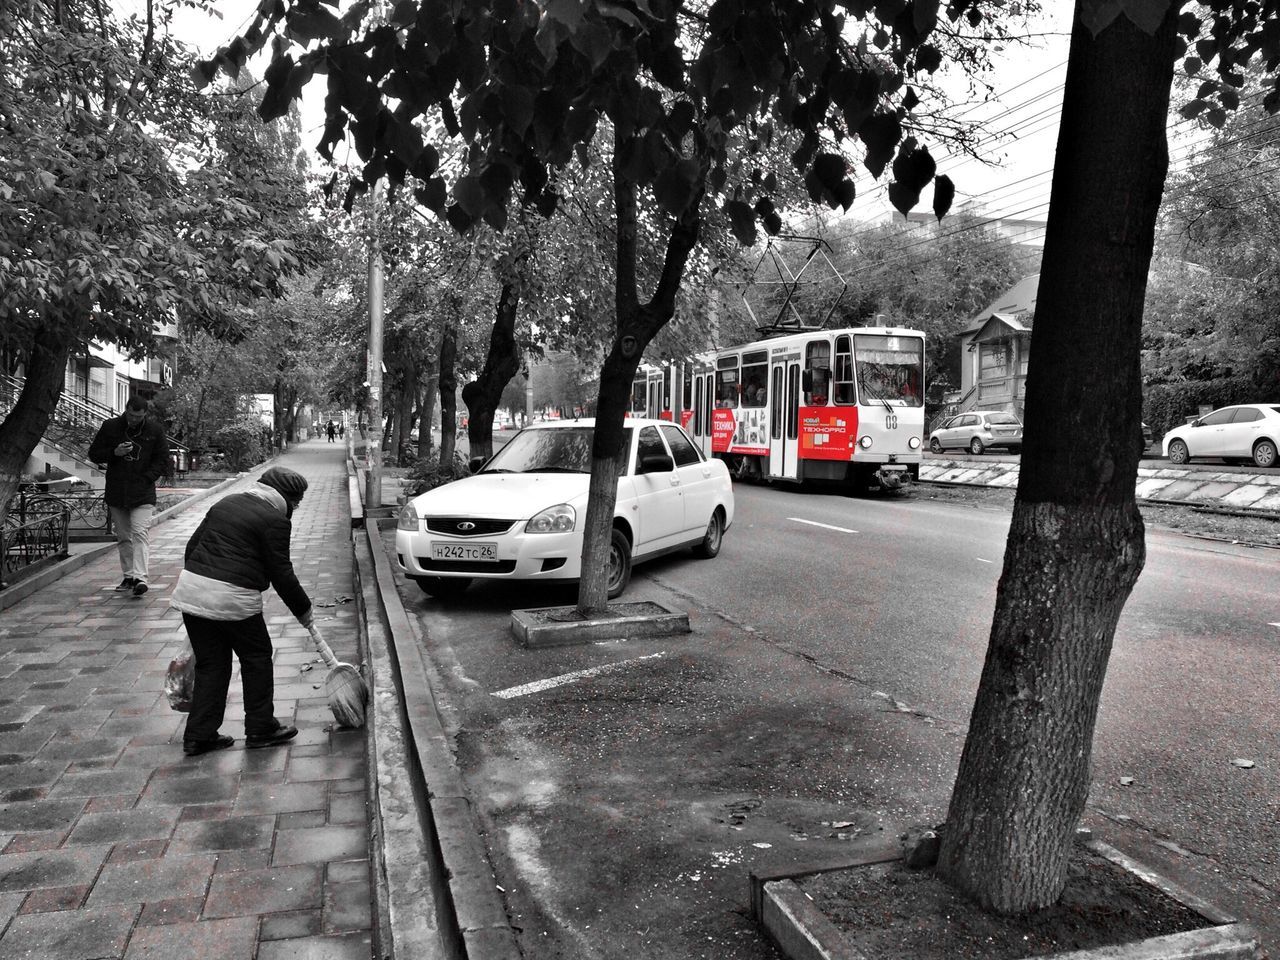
(213, 642)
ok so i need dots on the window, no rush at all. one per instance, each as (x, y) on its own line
(727, 382)
(650, 444)
(889, 368)
(667, 374)
(1247, 415)
(1219, 417)
(686, 395)
(755, 374)
(995, 359)
(775, 415)
(818, 365)
(682, 451)
(793, 401)
(697, 409)
(844, 370)
(1004, 418)
(638, 391)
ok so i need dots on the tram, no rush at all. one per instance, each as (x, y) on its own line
(839, 405)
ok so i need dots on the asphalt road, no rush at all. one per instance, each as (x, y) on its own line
(824, 695)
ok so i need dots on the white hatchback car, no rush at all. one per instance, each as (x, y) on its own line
(978, 430)
(1248, 431)
(521, 516)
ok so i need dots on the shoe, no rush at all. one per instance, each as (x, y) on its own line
(274, 738)
(193, 748)
(139, 587)
(127, 583)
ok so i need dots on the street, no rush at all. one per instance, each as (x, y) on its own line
(824, 695)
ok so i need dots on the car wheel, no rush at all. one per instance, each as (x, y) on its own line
(619, 563)
(710, 544)
(935, 444)
(1264, 453)
(1178, 452)
(444, 588)
(976, 446)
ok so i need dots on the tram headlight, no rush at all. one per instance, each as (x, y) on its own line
(914, 443)
(864, 442)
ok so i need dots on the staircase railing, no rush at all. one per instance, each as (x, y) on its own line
(75, 420)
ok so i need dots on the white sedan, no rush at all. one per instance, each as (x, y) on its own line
(1248, 431)
(521, 516)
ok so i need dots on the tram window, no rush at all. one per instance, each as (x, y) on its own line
(775, 415)
(889, 368)
(727, 382)
(686, 401)
(638, 390)
(818, 367)
(793, 398)
(755, 373)
(697, 408)
(667, 374)
(844, 371)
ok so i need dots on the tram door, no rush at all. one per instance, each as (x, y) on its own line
(700, 423)
(784, 414)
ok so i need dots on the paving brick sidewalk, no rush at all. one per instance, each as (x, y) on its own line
(112, 843)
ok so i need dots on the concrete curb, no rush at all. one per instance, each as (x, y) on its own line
(25, 588)
(442, 855)
(532, 628)
(802, 932)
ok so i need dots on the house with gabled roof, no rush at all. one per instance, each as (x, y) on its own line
(995, 345)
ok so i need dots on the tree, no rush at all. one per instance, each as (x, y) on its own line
(525, 84)
(118, 206)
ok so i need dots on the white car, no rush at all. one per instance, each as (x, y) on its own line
(1247, 431)
(521, 516)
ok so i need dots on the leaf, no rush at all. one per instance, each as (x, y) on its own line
(568, 12)
(470, 195)
(1097, 15)
(743, 221)
(880, 133)
(432, 195)
(1147, 14)
(924, 16)
(310, 24)
(944, 192)
(928, 58)
(1191, 66)
(405, 13)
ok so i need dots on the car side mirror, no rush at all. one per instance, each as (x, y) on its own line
(656, 463)
(1196, 422)
(475, 463)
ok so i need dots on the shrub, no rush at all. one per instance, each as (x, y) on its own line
(1169, 405)
(429, 473)
(244, 441)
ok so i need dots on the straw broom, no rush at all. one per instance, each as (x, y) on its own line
(344, 686)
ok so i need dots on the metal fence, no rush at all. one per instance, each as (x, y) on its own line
(27, 545)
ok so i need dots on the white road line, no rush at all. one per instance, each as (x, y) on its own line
(980, 560)
(1273, 624)
(827, 526)
(539, 685)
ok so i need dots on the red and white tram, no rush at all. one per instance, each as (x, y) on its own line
(843, 405)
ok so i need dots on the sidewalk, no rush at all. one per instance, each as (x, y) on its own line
(112, 843)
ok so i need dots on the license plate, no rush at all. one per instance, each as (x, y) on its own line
(464, 551)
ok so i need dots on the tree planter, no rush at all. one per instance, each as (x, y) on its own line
(786, 903)
(561, 626)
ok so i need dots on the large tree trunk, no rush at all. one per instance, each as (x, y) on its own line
(483, 394)
(26, 423)
(448, 394)
(1075, 545)
(427, 409)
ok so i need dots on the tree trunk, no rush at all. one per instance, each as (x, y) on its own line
(1075, 545)
(483, 394)
(448, 394)
(26, 423)
(427, 410)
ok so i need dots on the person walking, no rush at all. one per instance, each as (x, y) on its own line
(331, 430)
(136, 454)
(240, 548)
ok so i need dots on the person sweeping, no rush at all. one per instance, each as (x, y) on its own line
(240, 548)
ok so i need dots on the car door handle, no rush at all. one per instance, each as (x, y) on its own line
(675, 481)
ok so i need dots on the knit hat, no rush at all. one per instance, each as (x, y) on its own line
(289, 482)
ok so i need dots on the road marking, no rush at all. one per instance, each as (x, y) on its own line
(827, 526)
(1273, 624)
(539, 685)
(980, 560)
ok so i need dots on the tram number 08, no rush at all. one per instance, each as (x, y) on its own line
(891, 422)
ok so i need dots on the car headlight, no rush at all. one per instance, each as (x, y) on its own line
(557, 519)
(864, 443)
(914, 443)
(407, 518)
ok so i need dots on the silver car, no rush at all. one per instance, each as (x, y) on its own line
(1247, 431)
(977, 431)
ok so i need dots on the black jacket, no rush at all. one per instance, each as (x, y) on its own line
(131, 481)
(244, 540)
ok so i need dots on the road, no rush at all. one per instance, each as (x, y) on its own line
(837, 648)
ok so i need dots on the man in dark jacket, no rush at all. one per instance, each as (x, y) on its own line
(240, 549)
(136, 454)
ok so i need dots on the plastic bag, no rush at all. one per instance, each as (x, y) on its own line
(180, 682)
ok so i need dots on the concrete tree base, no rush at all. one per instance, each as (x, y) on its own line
(560, 626)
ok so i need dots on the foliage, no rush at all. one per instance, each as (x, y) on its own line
(428, 473)
(244, 441)
(1169, 405)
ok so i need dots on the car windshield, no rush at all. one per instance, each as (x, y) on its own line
(1002, 418)
(554, 450)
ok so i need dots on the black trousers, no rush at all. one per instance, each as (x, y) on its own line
(213, 642)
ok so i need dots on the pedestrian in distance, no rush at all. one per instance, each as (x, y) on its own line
(134, 449)
(240, 548)
(342, 430)
(330, 430)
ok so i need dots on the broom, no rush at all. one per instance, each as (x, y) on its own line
(344, 686)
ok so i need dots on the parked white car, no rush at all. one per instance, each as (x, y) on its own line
(521, 516)
(1247, 431)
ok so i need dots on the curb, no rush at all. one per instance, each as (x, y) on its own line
(25, 588)
(535, 630)
(442, 895)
